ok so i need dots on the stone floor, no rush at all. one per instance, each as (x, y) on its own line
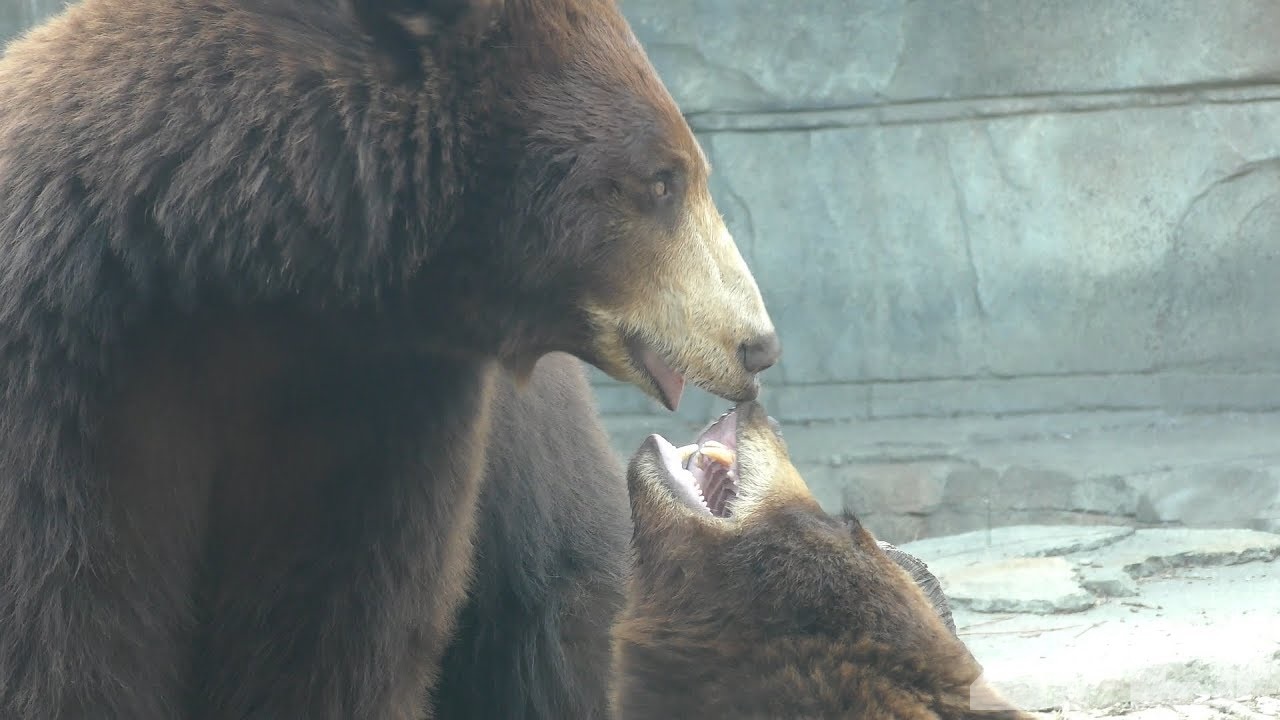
(1083, 618)
(1202, 708)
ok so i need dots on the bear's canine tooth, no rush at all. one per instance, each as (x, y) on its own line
(686, 452)
(718, 453)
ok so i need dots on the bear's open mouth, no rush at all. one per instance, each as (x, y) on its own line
(704, 474)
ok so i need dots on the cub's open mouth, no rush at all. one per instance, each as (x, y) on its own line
(704, 474)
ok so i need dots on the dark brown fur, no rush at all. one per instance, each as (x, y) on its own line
(262, 261)
(552, 557)
(779, 612)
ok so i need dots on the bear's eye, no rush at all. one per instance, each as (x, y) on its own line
(659, 191)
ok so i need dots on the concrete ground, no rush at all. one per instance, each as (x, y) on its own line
(1162, 624)
(1203, 708)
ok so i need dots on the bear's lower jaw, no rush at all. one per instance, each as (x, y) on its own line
(668, 381)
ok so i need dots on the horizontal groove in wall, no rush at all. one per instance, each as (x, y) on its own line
(918, 112)
(601, 380)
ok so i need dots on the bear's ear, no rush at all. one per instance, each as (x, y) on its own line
(444, 11)
(399, 28)
(424, 17)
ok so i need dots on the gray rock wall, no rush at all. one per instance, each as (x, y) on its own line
(999, 207)
(995, 206)
(981, 207)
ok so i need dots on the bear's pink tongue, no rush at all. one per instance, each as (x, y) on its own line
(670, 383)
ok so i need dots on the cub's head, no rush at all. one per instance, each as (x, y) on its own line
(592, 224)
(747, 594)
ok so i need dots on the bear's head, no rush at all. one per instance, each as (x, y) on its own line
(587, 216)
(742, 581)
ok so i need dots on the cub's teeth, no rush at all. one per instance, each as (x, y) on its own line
(718, 453)
(687, 451)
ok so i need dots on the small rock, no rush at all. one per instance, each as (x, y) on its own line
(1269, 705)
(1197, 712)
(1014, 541)
(1157, 713)
(1153, 551)
(1108, 582)
(1019, 585)
(1236, 709)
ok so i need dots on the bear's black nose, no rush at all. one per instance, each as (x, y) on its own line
(760, 353)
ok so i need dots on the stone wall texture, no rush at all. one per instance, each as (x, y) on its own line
(970, 206)
(982, 207)
(1016, 208)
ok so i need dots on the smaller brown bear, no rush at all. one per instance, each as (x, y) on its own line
(748, 601)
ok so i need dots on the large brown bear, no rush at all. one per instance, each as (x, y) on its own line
(749, 601)
(264, 262)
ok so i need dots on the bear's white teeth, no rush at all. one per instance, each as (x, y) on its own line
(702, 464)
(717, 452)
(693, 484)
